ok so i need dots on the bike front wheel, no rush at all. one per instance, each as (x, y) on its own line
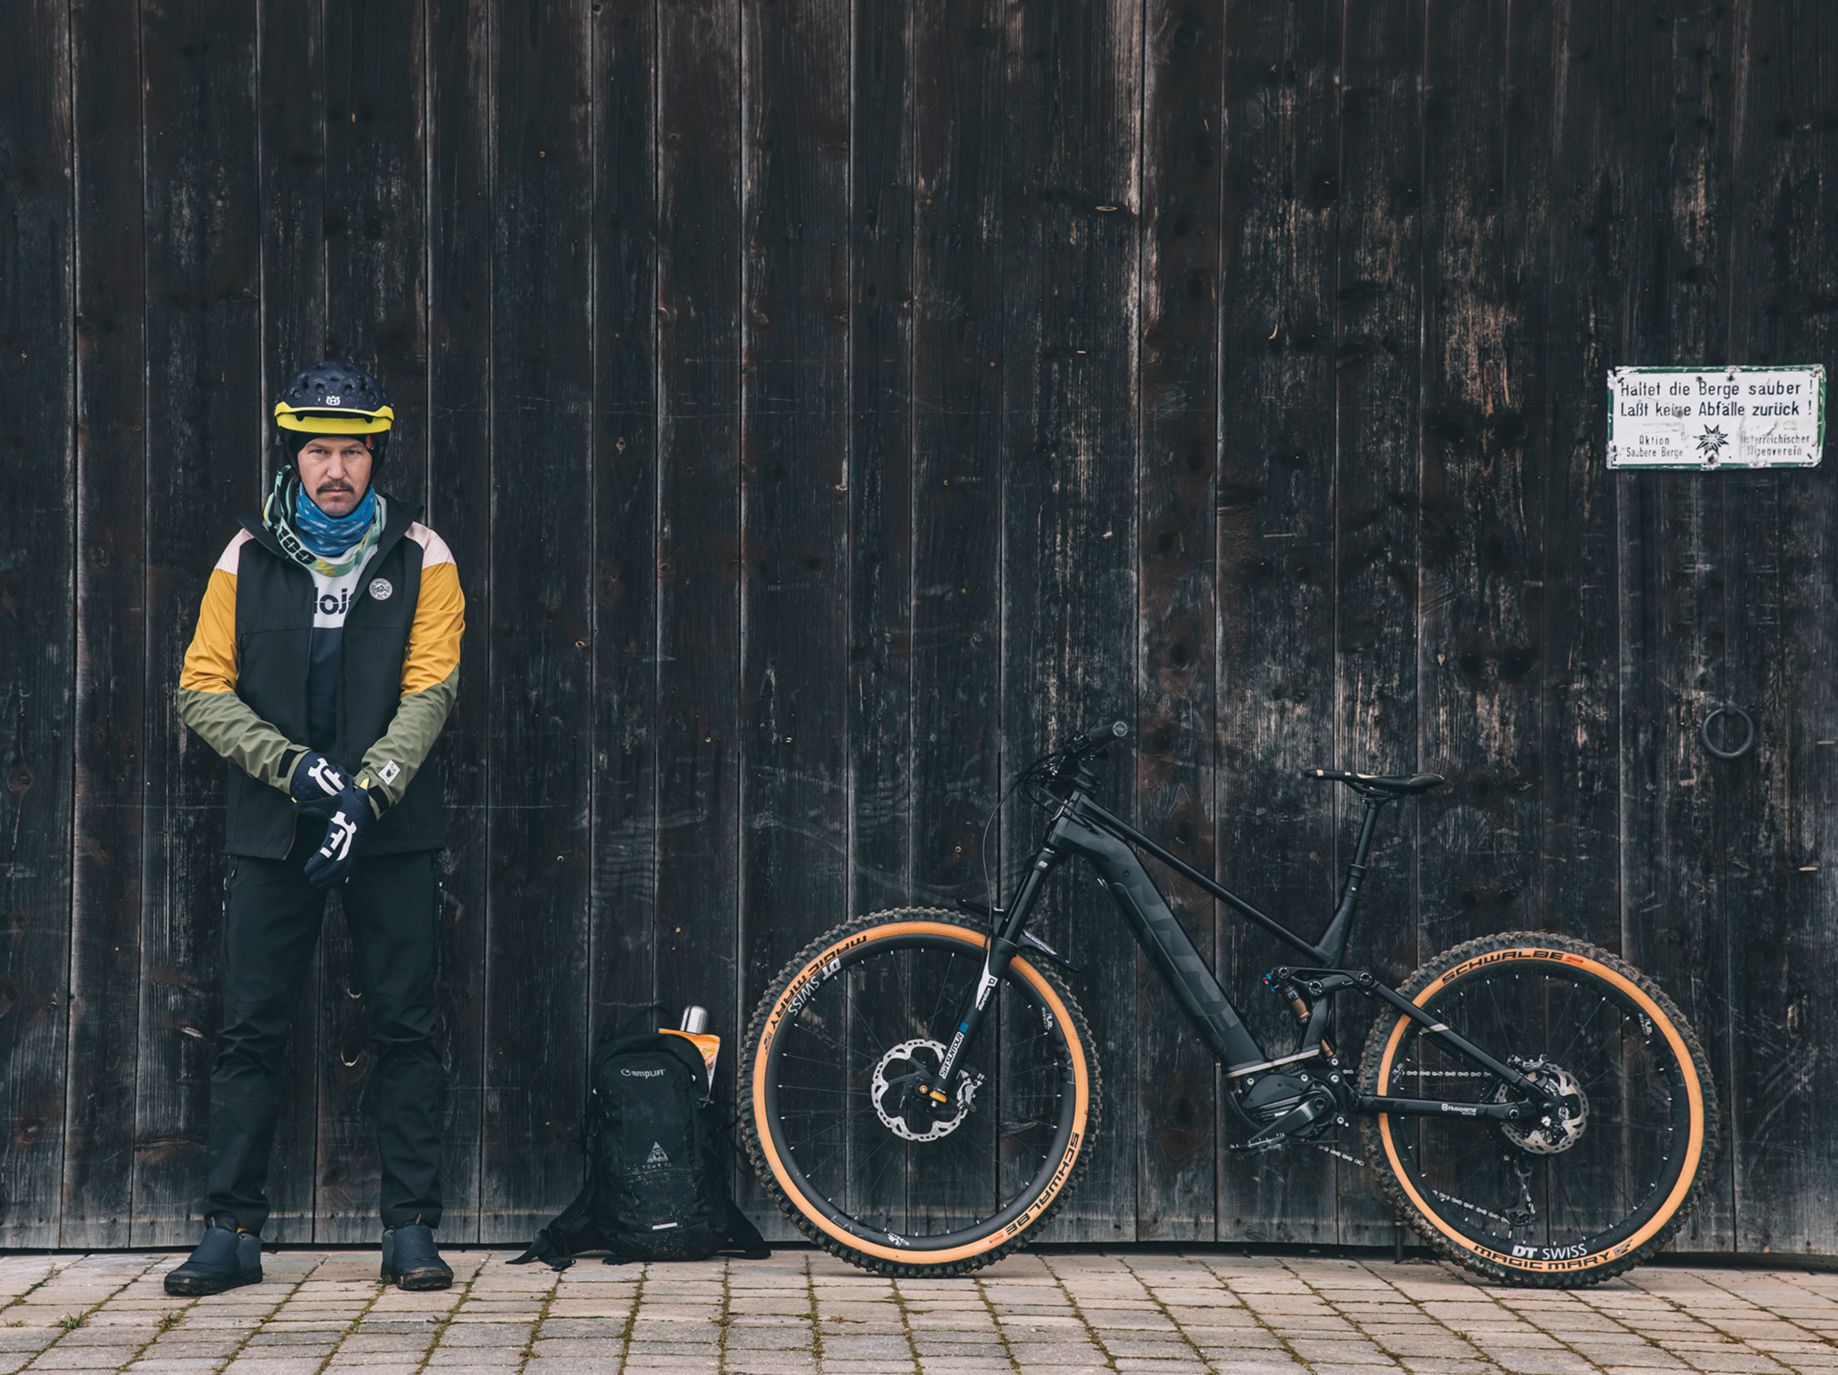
(850, 1149)
(1555, 1202)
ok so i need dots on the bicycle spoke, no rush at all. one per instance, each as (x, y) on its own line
(1554, 1023)
(865, 1151)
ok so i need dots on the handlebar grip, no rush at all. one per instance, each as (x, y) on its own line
(1097, 740)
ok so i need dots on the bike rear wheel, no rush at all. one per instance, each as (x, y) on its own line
(848, 1150)
(1592, 1192)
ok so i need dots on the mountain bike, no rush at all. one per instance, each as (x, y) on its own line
(923, 1090)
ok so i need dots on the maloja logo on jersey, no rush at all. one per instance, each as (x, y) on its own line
(334, 595)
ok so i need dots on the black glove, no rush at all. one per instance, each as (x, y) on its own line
(316, 783)
(331, 863)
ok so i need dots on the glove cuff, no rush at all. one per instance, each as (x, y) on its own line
(366, 783)
(290, 765)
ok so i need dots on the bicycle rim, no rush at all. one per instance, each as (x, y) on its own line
(847, 1144)
(1522, 1197)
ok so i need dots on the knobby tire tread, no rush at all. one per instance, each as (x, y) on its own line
(1080, 1030)
(1387, 1182)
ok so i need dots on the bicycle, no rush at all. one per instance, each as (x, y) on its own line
(924, 1092)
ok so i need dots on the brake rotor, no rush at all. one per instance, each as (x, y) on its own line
(1538, 1138)
(895, 1104)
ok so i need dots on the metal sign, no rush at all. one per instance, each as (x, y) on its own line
(1716, 417)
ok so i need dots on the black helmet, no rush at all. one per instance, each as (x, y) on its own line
(333, 397)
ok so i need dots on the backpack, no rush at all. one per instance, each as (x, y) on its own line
(656, 1185)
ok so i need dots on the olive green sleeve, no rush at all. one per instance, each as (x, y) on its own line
(392, 763)
(430, 681)
(230, 726)
(207, 697)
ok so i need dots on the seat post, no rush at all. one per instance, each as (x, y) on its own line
(1374, 805)
(1334, 939)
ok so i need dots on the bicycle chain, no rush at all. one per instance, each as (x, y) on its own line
(1339, 1154)
(1335, 1151)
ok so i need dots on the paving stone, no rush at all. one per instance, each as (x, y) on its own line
(1318, 1353)
(1054, 1313)
(62, 1357)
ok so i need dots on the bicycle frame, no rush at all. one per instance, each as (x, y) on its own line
(1083, 828)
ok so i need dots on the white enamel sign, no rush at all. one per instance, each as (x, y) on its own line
(1716, 417)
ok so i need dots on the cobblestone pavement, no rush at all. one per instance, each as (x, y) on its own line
(1057, 1311)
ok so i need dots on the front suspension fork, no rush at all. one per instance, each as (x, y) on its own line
(1002, 948)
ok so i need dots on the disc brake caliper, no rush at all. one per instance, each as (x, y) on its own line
(906, 1100)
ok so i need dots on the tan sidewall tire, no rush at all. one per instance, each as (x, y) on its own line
(1387, 1035)
(803, 973)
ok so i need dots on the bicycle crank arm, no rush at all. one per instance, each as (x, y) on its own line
(1303, 1115)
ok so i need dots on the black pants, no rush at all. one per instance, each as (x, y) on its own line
(271, 926)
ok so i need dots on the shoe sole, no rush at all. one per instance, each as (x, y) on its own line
(202, 1288)
(417, 1281)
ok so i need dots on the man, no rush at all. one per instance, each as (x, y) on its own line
(324, 665)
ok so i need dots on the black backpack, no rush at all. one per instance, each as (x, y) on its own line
(656, 1186)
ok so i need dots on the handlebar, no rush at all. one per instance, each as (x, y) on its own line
(1070, 757)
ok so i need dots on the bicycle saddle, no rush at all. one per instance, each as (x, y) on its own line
(1380, 783)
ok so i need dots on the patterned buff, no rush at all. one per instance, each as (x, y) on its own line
(326, 544)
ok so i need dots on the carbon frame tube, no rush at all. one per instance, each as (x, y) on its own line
(1437, 1107)
(1159, 932)
(1116, 830)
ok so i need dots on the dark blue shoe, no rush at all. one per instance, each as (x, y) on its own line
(225, 1259)
(411, 1260)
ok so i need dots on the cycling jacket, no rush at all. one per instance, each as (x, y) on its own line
(364, 668)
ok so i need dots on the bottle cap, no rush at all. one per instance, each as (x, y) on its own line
(695, 1020)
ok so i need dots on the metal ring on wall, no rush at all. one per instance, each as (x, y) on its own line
(1748, 735)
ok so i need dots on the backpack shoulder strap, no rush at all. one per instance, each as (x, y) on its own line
(572, 1231)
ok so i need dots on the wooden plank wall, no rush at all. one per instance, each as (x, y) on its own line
(831, 404)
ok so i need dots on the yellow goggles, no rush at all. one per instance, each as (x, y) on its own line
(341, 421)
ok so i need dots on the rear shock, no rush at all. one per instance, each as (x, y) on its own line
(1289, 993)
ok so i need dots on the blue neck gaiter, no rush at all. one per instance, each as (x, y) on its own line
(329, 536)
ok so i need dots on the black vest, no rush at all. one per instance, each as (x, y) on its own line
(274, 646)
